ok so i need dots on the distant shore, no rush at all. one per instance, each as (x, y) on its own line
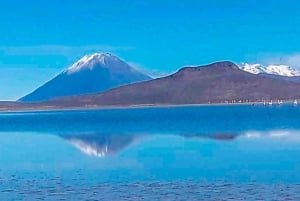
(21, 108)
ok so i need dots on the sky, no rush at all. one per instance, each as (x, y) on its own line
(38, 39)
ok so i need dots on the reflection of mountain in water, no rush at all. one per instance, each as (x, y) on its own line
(215, 136)
(101, 145)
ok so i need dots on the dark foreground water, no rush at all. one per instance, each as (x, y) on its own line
(179, 153)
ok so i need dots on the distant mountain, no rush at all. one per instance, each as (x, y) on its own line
(282, 72)
(91, 74)
(215, 83)
(279, 70)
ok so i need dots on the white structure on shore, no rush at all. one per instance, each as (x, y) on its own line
(295, 102)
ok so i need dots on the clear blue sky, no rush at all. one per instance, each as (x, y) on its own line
(40, 38)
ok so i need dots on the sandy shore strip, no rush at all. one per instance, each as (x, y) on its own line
(23, 108)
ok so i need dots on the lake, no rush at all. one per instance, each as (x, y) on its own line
(239, 152)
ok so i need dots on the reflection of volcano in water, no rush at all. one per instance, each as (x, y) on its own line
(100, 145)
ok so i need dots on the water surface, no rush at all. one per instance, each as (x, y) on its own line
(177, 153)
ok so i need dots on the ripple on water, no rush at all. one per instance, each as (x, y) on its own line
(54, 189)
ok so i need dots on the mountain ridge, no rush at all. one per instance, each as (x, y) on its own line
(218, 82)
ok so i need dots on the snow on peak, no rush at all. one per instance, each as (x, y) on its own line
(282, 70)
(90, 61)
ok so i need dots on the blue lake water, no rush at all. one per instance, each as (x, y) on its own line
(172, 153)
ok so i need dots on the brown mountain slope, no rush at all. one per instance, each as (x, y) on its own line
(215, 83)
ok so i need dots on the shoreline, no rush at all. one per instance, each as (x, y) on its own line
(24, 109)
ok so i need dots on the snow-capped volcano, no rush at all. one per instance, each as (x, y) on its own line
(91, 74)
(104, 60)
(281, 70)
